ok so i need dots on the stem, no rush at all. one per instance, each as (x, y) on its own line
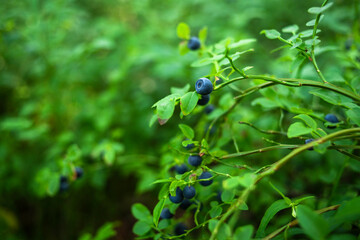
(260, 150)
(264, 131)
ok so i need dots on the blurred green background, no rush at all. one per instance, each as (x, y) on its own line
(77, 82)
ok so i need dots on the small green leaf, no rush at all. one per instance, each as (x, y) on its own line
(275, 207)
(188, 102)
(318, 10)
(311, 23)
(307, 120)
(106, 231)
(183, 31)
(180, 91)
(244, 232)
(313, 224)
(165, 109)
(203, 34)
(183, 48)
(354, 115)
(157, 211)
(271, 34)
(297, 42)
(298, 129)
(291, 29)
(187, 131)
(141, 228)
(242, 42)
(215, 211)
(140, 212)
(227, 195)
(348, 212)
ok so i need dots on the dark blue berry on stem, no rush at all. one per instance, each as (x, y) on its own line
(209, 109)
(180, 229)
(64, 184)
(166, 214)
(180, 169)
(205, 175)
(189, 192)
(178, 196)
(331, 118)
(186, 203)
(79, 172)
(194, 43)
(189, 146)
(204, 100)
(194, 160)
(203, 86)
(309, 141)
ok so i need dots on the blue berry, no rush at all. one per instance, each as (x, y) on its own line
(180, 229)
(189, 192)
(79, 172)
(186, 203)
(189, 146)
(308, 141)
(203, 86)
(64, 184)
(166, 214)
(194, 43)
(331, 118)
(180, 169)
(178, 197)
(205, 175)
(204, 100)
(209, 109)
(194, 160)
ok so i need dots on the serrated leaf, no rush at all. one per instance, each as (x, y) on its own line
(157, 211)
(307, 120)
(271, 33)
(244, 232)
(183, 31)
(274, 208)
(188, 102)
(298, 129)
(313, 224)
(187, 131)
(318, 10)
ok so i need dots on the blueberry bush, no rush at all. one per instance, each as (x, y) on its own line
(243, 167)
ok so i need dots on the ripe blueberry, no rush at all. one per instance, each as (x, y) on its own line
(194, 160)
(203, 86)
(178, 197)
(64, 185)
(205, 175)
(79, 172)
(189, 146)
(166, 214)
(180, 169)
(331, 118)
(204, 100)
(186, 203)
(189, 192)
(308, 141)
(180, 229)
(209, 108)
(194, 43)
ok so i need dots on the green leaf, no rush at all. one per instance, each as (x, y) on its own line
(318, 10)
(183, 31)
(141, 228)
(203, 34)
(313, 224)
(180, 91)
(165, 109)
(307, 120)
(183, 48)
(157, 211)
(296, 43)
(303, 199)
(354, 115)
(311, 23)
(247, 179)
(287, 200)
(53, 184)
(227, 195)
(271, 34)
(140, 212)
(298, 129)
(224, 232)
(244, 232)
(215, 211)
(163, 180)
(188, 102)
(348, 212)
(241, 42)
(291, 29)
(275, 207)
(187, 131)
(106, 231)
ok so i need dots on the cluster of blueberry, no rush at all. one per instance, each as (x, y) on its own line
(331, 118)
(64, 181)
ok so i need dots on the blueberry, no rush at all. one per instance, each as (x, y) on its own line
(219, 80)
(218, 196)
(64, 184)
(189, 192)
(79, 172)
(205, 175)
(178, 197)
(203, 86)
(204, 100)
(166, 214)
(180, 229)
(186, 203)
(331, 118)
(180, 169)
(209, 108)
(189, 146)
(194, 160)
(308, 141)
(194, 43)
